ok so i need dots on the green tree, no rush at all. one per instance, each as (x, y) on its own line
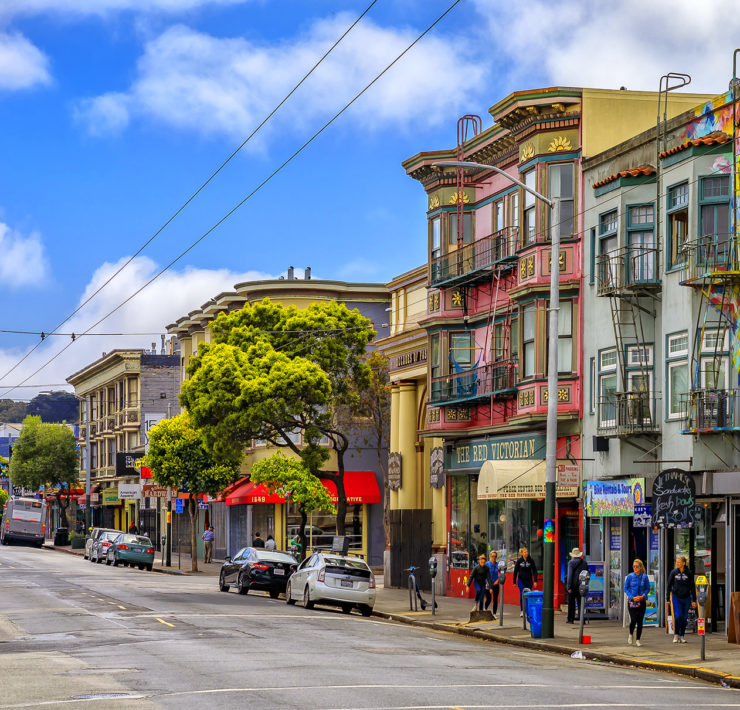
(46, 455)
(4, 498)
(291, 479)
(179, 458)
(12, 411)
(272, 370)
(55, 407)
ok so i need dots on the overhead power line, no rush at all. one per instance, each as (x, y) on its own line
(240, 204)
(198, 191)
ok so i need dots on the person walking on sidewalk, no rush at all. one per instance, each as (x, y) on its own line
(681, 593)
(636, 587)
(258, 541)
(208, 536)
(576, 565)
(494, 586)
(479, 581)
(270, 543)
(525, 575)
(132, 529)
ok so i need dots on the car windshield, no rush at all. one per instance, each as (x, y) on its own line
(345, 562)
(270, 556)
(136, 540)
(110, 535)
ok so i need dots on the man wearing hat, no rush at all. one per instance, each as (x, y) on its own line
(576, 565)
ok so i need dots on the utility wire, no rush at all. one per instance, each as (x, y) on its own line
(74, 336)
(199, 190)
(253, 192)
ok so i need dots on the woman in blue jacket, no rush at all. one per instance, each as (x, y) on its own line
(636, 587)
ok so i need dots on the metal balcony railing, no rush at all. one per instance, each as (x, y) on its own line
(493, 380)
(710, 258)
(497, 248)
(627, 414)
(628, 268)
(710, 410)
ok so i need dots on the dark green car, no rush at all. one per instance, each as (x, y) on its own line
(131, 550)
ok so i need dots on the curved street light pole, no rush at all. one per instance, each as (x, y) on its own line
(548, 561)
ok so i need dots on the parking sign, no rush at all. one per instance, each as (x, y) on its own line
(178, 505)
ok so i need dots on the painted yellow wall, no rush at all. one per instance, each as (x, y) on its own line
(610, 117)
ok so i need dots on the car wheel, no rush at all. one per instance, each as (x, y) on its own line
(240, 586)
(84, 557)
(288, 598)
(107, 560)
(141, 566)
(98, 560)
(115, 561)
(222, 586)
(346, 608)
(149, 567)
(366, 610)
(274, 594)
(307, 603)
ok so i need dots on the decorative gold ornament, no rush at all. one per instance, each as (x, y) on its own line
(434, 202)
(527, 152)
(559, 144)
(457, 299)
(456, 199)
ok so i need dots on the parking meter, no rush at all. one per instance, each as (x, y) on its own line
(164, 545)
(702, 589)
(584, 579)
(501, 581)
(433, 574)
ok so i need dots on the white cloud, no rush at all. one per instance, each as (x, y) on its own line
(170, 297)
(22, 65)
(607, 45)
(198, 82)
(359, 268)
(102, 7)
(23, 261)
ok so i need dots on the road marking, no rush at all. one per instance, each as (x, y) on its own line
(12, 566)
(100, 599)
(113, 603)
(121, 607)
(166, 623)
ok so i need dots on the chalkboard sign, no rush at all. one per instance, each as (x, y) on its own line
(674, 504)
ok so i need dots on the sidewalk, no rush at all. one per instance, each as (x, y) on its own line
(608, 638)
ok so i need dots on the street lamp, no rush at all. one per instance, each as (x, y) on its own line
(548, 561)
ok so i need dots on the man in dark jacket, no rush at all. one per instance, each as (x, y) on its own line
(525, 575)
(576, 565)
(258, 541)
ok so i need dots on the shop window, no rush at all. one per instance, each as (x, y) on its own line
(321, 528)
(678, 222)
(561, 189)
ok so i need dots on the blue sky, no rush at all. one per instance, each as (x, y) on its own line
(115, 110)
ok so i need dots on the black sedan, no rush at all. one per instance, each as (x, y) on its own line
(256, 568)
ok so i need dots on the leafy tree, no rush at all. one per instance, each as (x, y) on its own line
(291, 479)
(55, 407)
(45, 454)
(12, 411)
(272, 370)
(178, 458)
(4, 498)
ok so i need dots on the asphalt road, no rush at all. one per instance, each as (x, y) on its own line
(76, 634)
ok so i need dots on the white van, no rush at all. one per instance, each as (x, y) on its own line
(24, 519)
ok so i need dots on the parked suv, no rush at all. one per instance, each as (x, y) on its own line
(95, 533)
(100, 545)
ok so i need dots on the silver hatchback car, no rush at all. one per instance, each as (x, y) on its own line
(324, 578)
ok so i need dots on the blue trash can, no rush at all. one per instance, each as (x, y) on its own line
(533, 606)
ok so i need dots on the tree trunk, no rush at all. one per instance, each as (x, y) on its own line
(193, 510)
(64, 509)
(341, 493)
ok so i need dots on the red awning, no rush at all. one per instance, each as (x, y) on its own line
(248, 493)
(359, 487)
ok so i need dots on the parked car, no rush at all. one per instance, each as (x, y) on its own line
(324, 578)
(95, 533)
(99, 548)
(257, 568)
(134, 550)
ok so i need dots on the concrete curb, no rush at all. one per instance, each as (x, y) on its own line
(54, 548)
(724, 679)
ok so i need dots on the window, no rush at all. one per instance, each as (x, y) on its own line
(713, 341)
(133, 393)
(93, 455)
(514, 209)
(591, 385)
(294, 436)
(639, 356)
(93, 407)
(607, 388)
(461, 351)
(678, 386)
(498, 215)
(608, 360)
(133, 440)
(434, 369)
(528, 339)
(714, 373)
(678, 345)
(436, 235)
(678, 222)
(499, 341)
(565, 337)
(467, 228)
(714, 208)
(514, 339)
(111, 400)
(561, 189)
(111, 452)
(641, 265)
(608, 242)
(529, 215)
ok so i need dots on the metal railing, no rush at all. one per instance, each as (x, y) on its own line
(495, 379)
(627, 268)
(627, 414)
(499, 247)
(708, 410)
(710, 256)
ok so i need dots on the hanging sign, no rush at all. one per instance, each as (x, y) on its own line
(437, 467)
(674, 499)
(178, 505)
(394, 470)
(643, 516)
(615, 498)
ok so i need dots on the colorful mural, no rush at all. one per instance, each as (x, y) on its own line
(726, 301)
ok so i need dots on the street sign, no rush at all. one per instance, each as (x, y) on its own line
(150, 491)
(129, 491)
(178, 505)
(202, 505)
(126, 463)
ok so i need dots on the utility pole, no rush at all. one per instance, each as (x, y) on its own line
(88, 512)
(169, 508)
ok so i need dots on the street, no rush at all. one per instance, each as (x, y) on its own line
(76, 633)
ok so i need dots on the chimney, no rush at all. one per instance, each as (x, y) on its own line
(307, 273)
(154, 348)
(162, 351)
(291, 273)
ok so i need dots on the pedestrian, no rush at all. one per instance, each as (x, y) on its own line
(132, 529)
(258, 541)
(576, 565)
(494, 586)
(270, 543)
(208, 537)
(525, 575)
(479, 581)
(636, 587)
(681, 593)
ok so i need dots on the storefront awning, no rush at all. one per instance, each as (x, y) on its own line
(359, 486)
(525, 478)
